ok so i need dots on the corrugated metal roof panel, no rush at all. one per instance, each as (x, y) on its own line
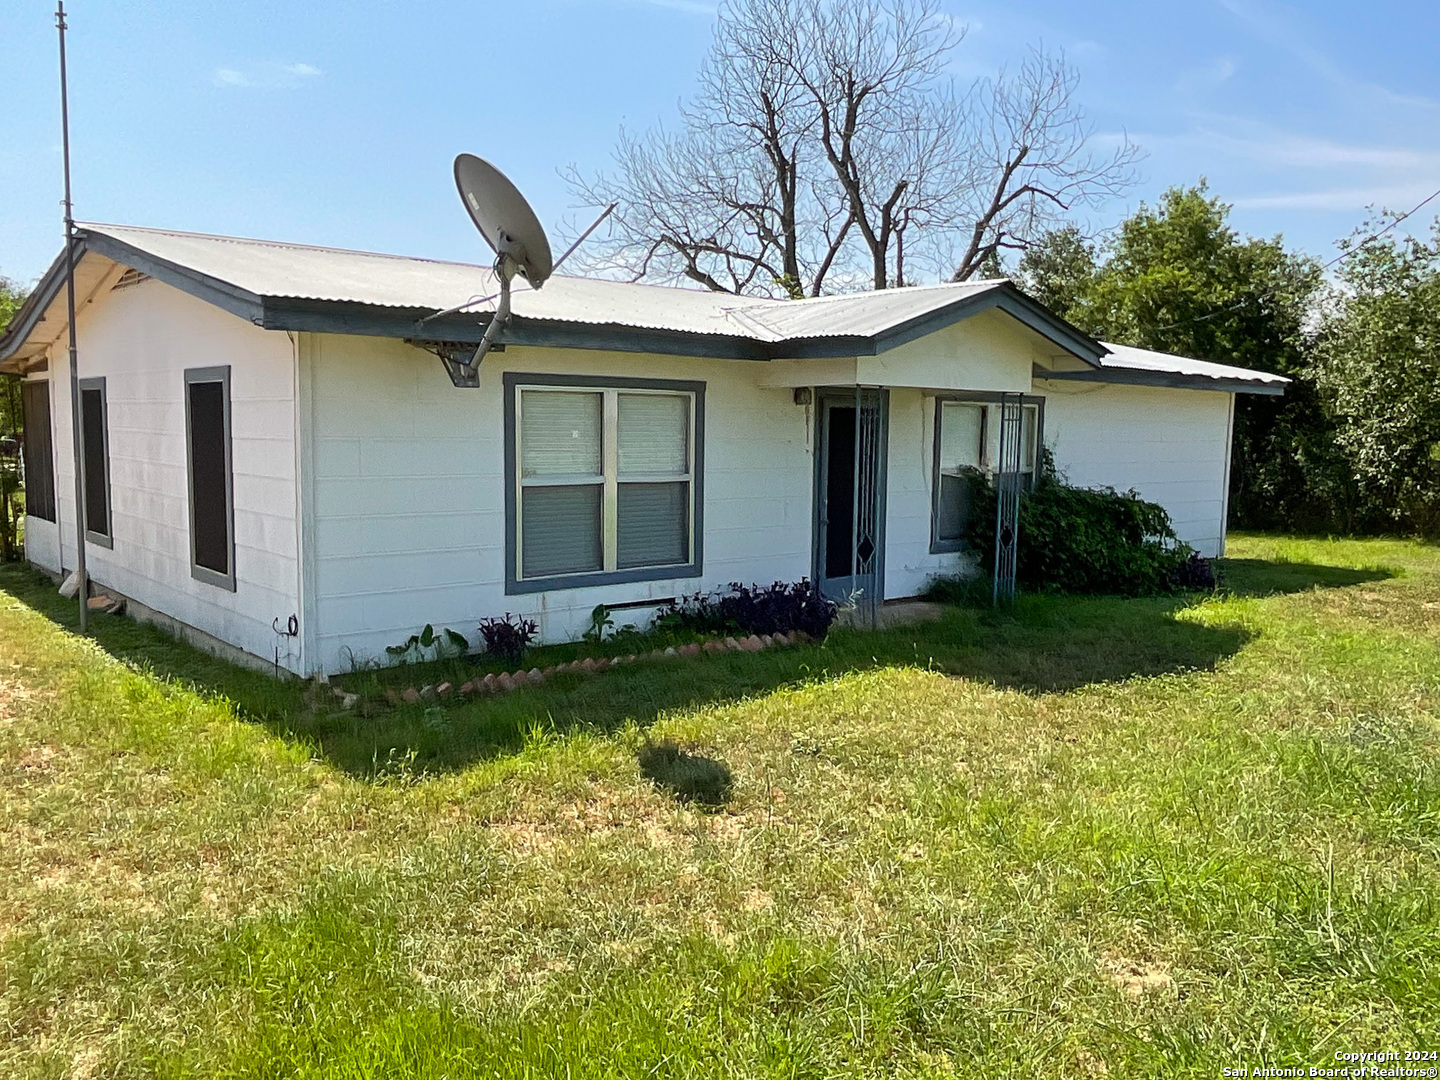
(268, 268)
(1127, 356)
(861, 314)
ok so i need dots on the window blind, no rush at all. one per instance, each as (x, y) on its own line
(654, 434)
(560, 433)
(560, 530)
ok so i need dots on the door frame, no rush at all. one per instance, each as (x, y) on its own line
(826, 397)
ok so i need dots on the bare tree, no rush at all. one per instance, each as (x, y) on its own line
(826, 147)
(1031, 147)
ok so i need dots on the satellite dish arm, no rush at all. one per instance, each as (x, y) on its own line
(581, 238)
(505, 270)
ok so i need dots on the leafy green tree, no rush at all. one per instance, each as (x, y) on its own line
(1377, 366)
(12, 424)
(1059, 269)
(1177, 278)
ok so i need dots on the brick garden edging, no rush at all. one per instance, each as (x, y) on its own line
(507, 681)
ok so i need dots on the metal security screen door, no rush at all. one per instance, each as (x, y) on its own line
(1007, 505)
(850, 496)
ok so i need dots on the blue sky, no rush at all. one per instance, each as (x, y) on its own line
(335, 123)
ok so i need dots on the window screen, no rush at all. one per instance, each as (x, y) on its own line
(967, 448)
(95, 453)
(962, 446)
(606, 480)
(39, 452)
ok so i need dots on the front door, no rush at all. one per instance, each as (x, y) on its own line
(850, 495)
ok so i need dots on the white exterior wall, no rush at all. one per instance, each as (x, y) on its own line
(1171, 446)
(141, 339)
(909, 564)
(406, 502)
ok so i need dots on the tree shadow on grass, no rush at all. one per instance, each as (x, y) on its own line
(1045, 644)
(1265, 577)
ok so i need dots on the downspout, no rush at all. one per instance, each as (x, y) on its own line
(299, 418)
(1225, 490)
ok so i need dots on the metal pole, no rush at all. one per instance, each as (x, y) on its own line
(75, 437)
(855, 503)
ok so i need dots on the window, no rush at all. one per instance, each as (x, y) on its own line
(207, 453)
(603, 480)
(967, 448)
(95, 461)
(39, 453)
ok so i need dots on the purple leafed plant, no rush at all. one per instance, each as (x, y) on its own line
(507, 637)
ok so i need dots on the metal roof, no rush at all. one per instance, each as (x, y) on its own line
(1131, 358)
(298, 287)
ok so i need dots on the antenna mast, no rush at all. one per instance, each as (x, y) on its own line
(75, 437)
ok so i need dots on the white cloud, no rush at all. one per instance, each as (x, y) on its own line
(1351, 200)
(1278, 34)
(1240, 138)
(266, 75)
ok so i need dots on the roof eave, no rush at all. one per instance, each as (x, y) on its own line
(1172, 380)
(224, 295)
(371, 320)
(33, 310)
(1005, 297)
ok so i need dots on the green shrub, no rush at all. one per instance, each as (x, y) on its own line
(1080, 540)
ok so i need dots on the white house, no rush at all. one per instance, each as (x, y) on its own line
(271, 441)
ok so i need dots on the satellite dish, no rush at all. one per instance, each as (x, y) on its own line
(504, 218)
(511, 228)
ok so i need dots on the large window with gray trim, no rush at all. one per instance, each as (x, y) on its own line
(207, 455)
(967, 449)
(603, 480)
(95, 460)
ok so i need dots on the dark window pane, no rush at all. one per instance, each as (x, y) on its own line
(92, 431)
(653, 524)
(209, 477)
(39, 453)
(956, 494)
(840, 492)
(560, 530)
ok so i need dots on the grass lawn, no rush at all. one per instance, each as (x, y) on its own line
(1094, 837)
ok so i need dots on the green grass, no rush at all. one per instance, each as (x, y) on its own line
(1092, 837)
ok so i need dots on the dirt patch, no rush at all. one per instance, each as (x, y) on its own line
(1137, 978)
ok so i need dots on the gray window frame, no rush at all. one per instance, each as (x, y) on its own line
(512, 382)
(28, 387)
(939, 546)
(104, 539)
(219, 374)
